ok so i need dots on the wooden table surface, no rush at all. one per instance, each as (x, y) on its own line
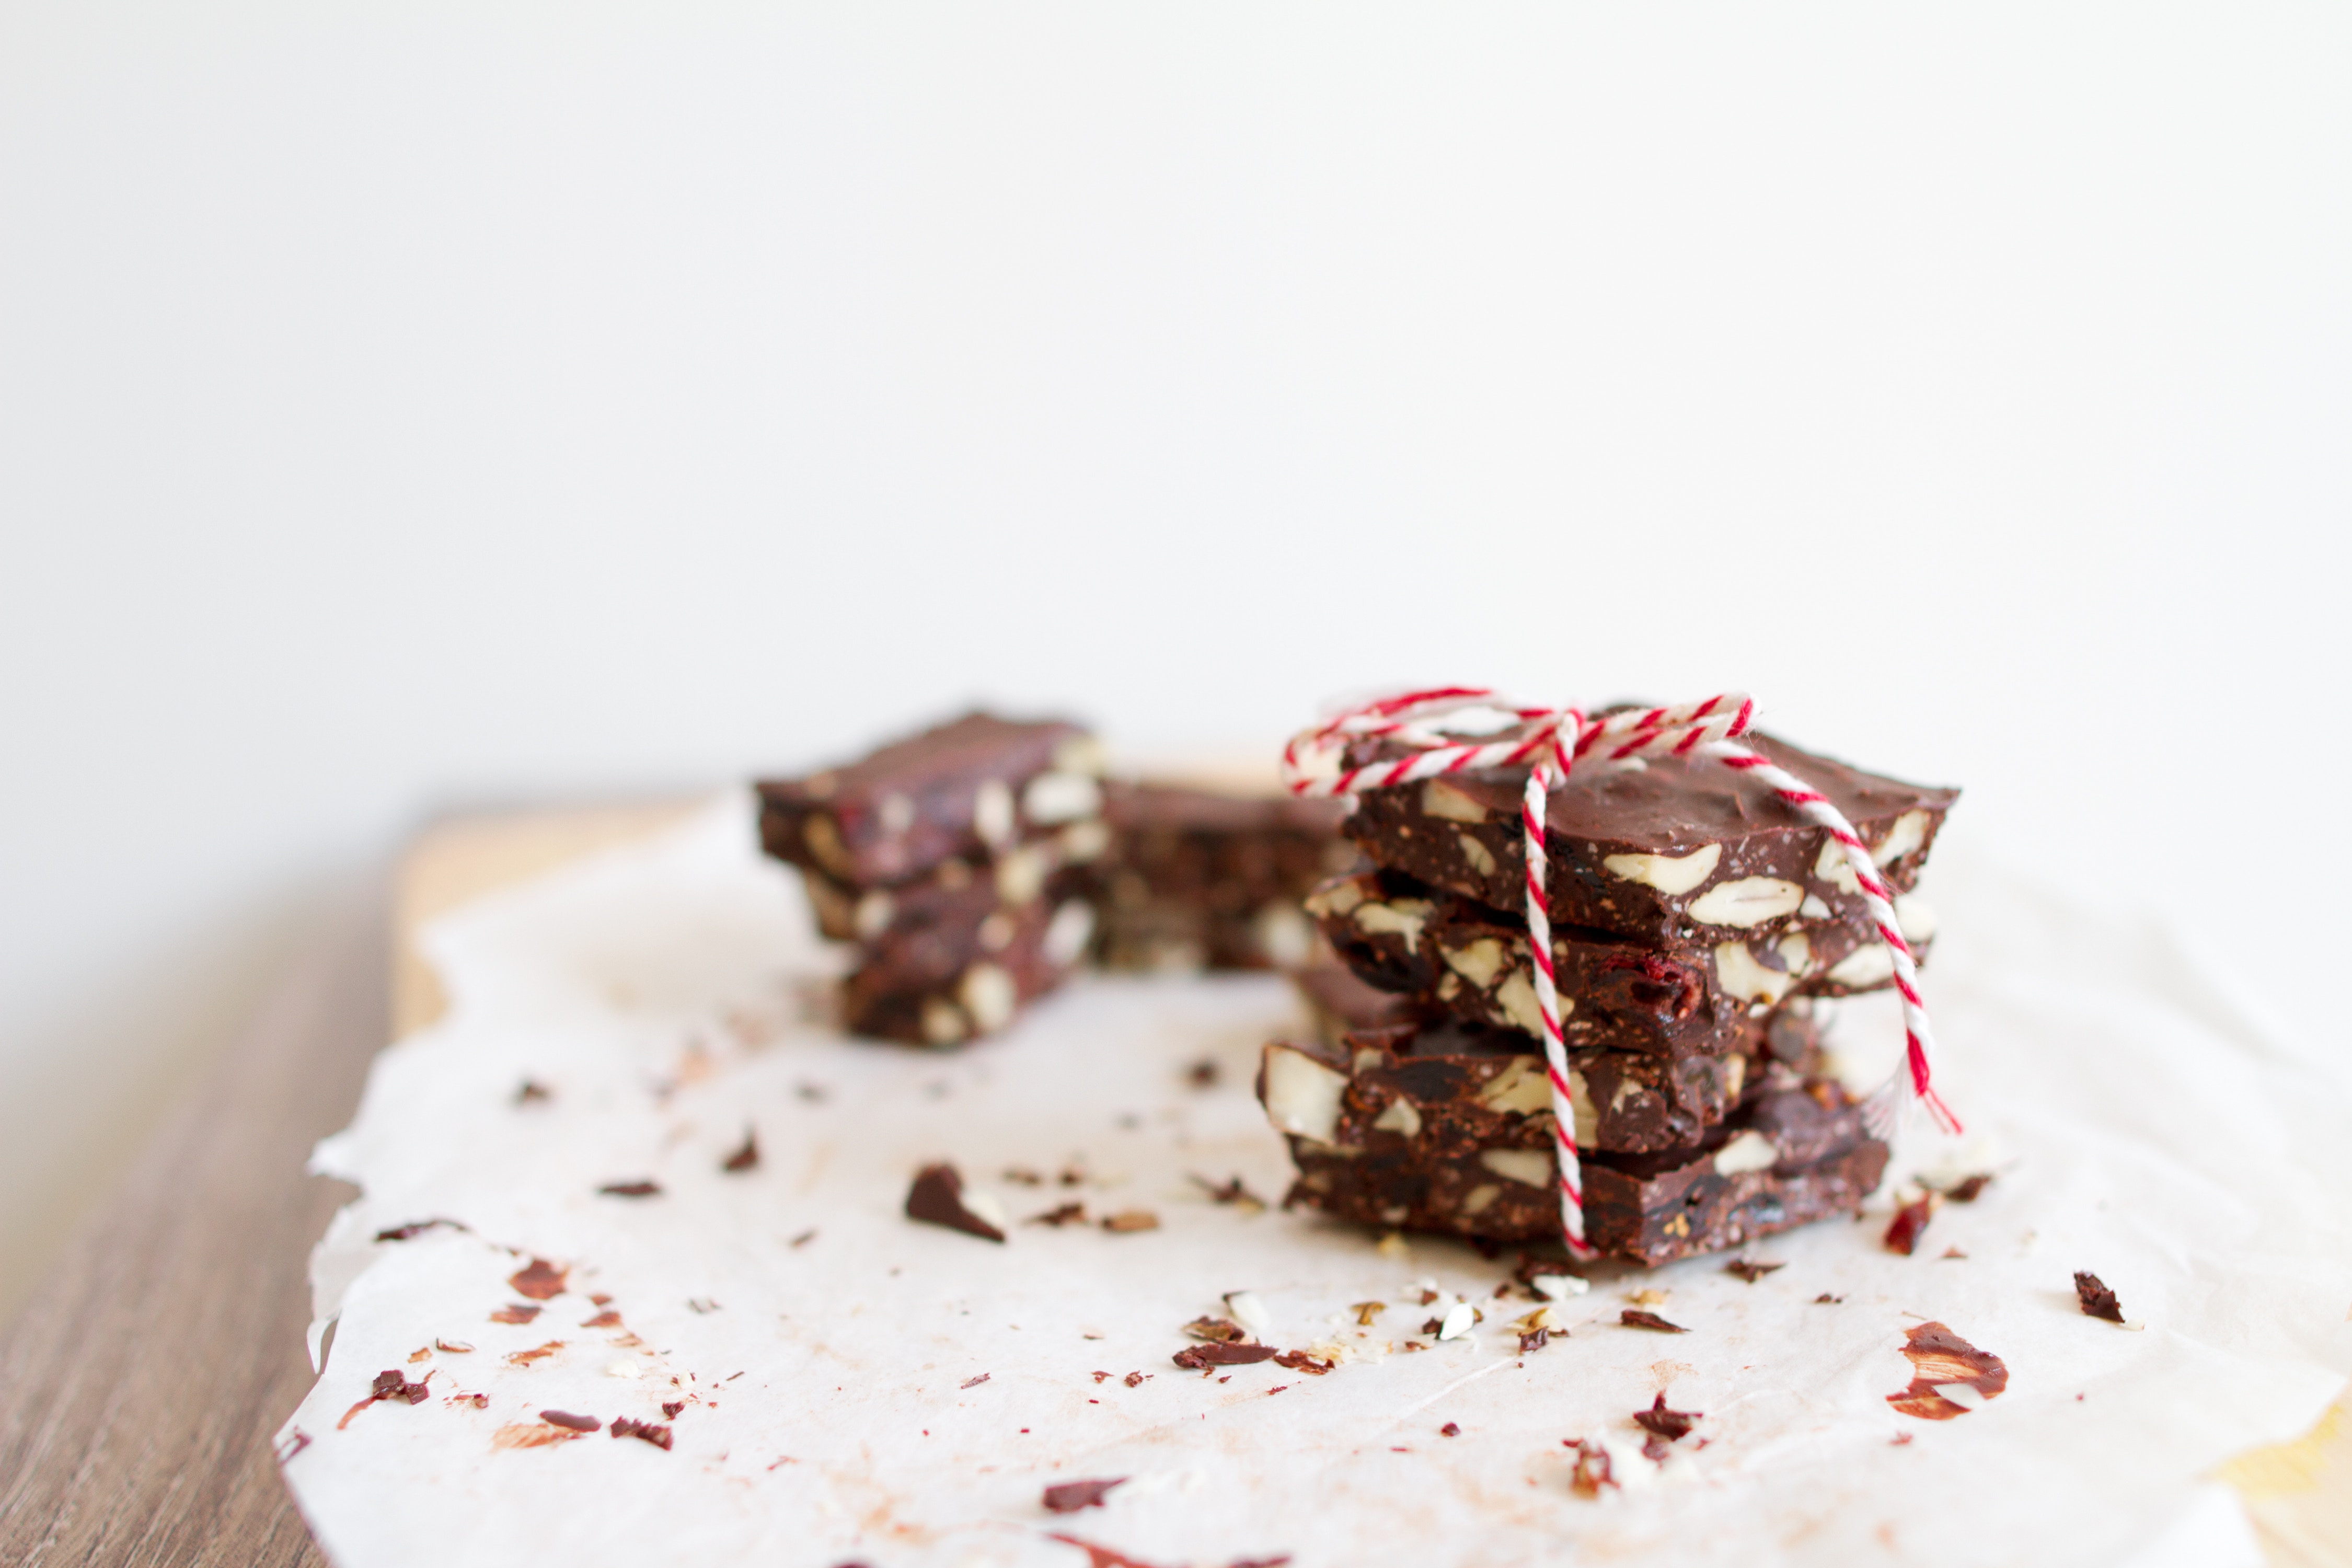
(140, 1385)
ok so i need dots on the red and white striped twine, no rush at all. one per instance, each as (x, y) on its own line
(1549, 742)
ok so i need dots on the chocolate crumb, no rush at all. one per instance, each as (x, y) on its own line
(418, 1227)
(1634, 1318)
(1230, 1192)
(1135, 1379)
(1193, 1357)
(1954, 1252)
(538, 1279)
(1071, 1177)
(1591, 1471)
(1071, 1495)
(937, 1198)
(975, 1382)
(453, 1347)
(422, 1353)
(1304, 1361)
(1022, 1176)
(623, 1426)
(1223, 1330)
(1433, 1326)
(671, 1407)
(600, 1299)
(1826, 1299)
(1910, 1220)
(1127, 1220)
(1751, 1268)
(607, 1318)
(1451, 1429)
(803, 1238)
(1534, 1340)
(2096, 1300)
(516, 1312)
(1102, 1377)
(1072, 1212)
(1427, 1296)
(532, 1094)
(1672, 1425)
(1201, 1074)
(1965, 1191)
(747, 1158)
(576, 1422)
(524, 1358)
(638, 1189)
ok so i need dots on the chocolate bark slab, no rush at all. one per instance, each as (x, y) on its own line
(944, 984)
(1459, 1089)
(1446, 951)
(1795, 1153)
(1200, 878)
(1681, 850)
(965, 789)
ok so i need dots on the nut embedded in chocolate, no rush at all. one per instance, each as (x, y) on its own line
(1071, 1495)
(937, 1198)
(2096, 1300)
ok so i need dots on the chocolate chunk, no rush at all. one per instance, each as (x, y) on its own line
(1071, 1495)
(963, 789)
(625, 1426)
(576, 1422)
(1199, 878)
(1750, 1269)
(1672, 1425)
(1910, 1222)
(1192, 1358)
(1636, 1318)
(418, 1227)
(2096, 1300)
(937, 1198)
(636, 1189)
(1941, 1361)
(1462, 832)
(538, 1279)
(747, 1158)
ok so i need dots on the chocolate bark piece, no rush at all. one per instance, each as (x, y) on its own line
(1449, 1085)
(1682, 850)
(1795, 1153)
(964, 789)
(962, 892)
(1449, 952)
(1200, 878)
(946, 984)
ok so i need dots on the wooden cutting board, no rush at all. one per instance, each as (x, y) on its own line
(141, 1383)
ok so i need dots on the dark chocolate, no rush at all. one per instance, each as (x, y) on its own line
(1071, 1495)
(1636, 1318)
(2096, 1300)
(627, 1426)
(965, 788)
(1192, 1358)
(576, 1422)
(747, 1158)
(1704, 853)
(942, 985)
(937, 1198)
(1200, 878)
(1673, 1426)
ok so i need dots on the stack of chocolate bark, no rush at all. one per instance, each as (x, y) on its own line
(1206, 878)
(1697, 923)
(961, 861)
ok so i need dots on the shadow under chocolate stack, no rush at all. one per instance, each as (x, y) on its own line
(959, 860)
(1695, 921)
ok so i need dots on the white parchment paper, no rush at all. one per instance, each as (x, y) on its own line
(826, 1348)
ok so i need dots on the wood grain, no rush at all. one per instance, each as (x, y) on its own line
(141, 1384)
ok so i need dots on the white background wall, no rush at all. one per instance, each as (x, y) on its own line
(415, 404)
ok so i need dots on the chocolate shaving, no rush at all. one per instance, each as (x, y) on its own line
(1751, 1269)
(670, 1408)
(638, 1189)
(1304, 1361)
(608, 1319)
(1135, 1379)
(623, 1426)
(1221, 1330)
(1433, 1326)
(390, 1383)
(565, 1419)
(454, 1347)
(1966, 1190)
(524, 1358)
(517, 1312)
(1673, 1426)
(975, 1382)
(418, 1227)
(2097, 1301)
(1194, 1357)
(1940, 1358)
(937, 1198)
(538, 1279)
(1061, 1214)
(1910, 1220)
(1634, 1318)
(1071, 1495)
(1127, 1220)
(747, 1158)
(600, 1299)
